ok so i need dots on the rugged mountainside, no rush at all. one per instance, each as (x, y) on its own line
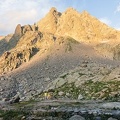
(88, 81)
(37, 54)
(84, 27)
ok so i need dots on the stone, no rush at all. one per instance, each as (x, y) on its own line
(15, 99)
(47, 79)
(61, 93)
(5, 99)
(112, 118)
(23, 118)
(80, 97)
(68, 94)
(60, 82)
(111, 105)
(76, 117)
(72, 78)
(105, 71)
(98, 118)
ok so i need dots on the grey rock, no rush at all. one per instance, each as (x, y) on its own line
(98, 118)
(72, 78)
(77, 117)
(111, 118)
(61, 93)
(60, 82)
(15, 99)
(111, 105)
(80, 97)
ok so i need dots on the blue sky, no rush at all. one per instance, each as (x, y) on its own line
(13, 12)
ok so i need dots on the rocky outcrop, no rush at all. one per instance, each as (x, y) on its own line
(18, 31)
(90, 81)
(109, 50)
(77, 117)
(12, 60)
(84, 27)
(116, 52)
(26, 28)
(49, 22)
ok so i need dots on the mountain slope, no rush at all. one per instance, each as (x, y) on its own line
(37, 54)
(80, 26)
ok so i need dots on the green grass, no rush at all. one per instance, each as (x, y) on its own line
(25, 103)
(91, 90)
(12, 115)
(70, 42)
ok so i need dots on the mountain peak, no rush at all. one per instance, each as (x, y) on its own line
(53, 9)
(49, 22)
(85, 13)
(70, 10)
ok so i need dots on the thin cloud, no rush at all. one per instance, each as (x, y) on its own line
(117, 28)
(8, 23)
(105, 20)
(13, 12)
(117, 9)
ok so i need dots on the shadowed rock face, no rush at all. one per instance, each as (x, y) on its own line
(18, 31)
(12, 60)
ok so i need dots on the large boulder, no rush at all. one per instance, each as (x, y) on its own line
(15, 99)
(77, 117)
(111, 118)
